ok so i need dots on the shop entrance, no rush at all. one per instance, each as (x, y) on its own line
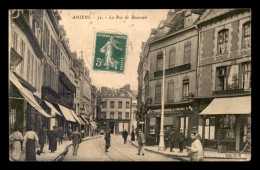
(111, 126)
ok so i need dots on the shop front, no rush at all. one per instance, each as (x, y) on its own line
(176, 118)
(226, 122)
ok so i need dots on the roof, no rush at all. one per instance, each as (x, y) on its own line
(213, 13)
(115, 93)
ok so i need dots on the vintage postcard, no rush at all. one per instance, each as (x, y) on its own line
(128, 85)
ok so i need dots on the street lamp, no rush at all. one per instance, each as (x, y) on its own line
(161, 143)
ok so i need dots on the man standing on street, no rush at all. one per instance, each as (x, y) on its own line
(76, 140)
(171, 138)
(107, 139)
(125, 134)
(181, 140)
(141, 142)
(42, 138)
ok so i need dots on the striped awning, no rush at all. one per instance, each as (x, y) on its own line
(66, 113)
(28, 96)
(52, 108)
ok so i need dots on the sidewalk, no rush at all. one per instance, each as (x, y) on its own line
(48, 156)
(208, 154)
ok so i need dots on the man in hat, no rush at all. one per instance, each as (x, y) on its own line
(42, 138)
(76, 140)
(195, 151)
(141, 142)
(107, 139)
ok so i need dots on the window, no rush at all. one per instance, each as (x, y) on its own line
(127, 106)
(111, 115)
(172, 56)
(15, 40)
(28, 64)
(188, 21)
(32, 71)
(225, 127)
(23, 55)
(119, 115)
(227, 78)
(127, 115)
(170, 91)
(36, 73)
(247, 35)
(222, 41)
(112, 104)
(104, 104)
(187, 53)
(120, 104)
(158, 93)
(221, 78)
(159, 62)
(12, 118)
(246, 75)
(184, 125)
(46, 42)
(39, 76)
(185, 89)
(209, 128)
(103, 115)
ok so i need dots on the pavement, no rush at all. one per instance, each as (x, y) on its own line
(60, 152)
(209, 154)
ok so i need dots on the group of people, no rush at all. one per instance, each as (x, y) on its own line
(170, 138)
(140, 139)
(30, 142)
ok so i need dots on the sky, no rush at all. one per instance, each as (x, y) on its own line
(82, 25)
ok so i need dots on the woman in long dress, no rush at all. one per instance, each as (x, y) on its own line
(31, 142)
(108, 50)
(16, 138)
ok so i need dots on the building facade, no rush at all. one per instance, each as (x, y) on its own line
(224, 77)
(115, 110)
(176, 39)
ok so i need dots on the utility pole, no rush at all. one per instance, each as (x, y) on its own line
(161, 143)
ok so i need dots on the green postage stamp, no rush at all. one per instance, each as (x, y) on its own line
(110, 52)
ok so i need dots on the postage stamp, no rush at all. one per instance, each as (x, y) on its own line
(110, 52)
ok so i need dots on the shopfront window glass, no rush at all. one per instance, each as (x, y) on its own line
(152, 126)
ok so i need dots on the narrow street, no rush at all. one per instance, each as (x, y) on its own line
(94, 150)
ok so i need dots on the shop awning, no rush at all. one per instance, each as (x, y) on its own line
(52, 108)
(231, 105)
(76, 117)
(67, 114)
(28, 96)
(84, 119)
(93, 125)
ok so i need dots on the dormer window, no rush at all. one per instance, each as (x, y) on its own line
(188, 21)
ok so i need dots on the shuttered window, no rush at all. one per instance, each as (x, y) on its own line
(187, 54)
(170, 91)
(158, 93)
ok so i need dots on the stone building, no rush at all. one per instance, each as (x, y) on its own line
(177, 38)
(224, 77)
(115, 110)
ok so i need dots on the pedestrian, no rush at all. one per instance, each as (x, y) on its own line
(141, 142)
(60, 135)
(30, 143)
(76, 140)
(42, 138)
(195, 151)
(16, 139)
(132, 135)
(166, 137)
(53, 135)
(124, 135)
(107, 139)
(181, 138)
(172, 136)
(69, 133)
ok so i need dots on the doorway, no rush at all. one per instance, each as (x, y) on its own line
(111, 126)
(157, 130)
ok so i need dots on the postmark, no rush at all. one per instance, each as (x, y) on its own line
(110, 52)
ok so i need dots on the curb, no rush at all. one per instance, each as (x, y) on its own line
(185, 158)
(61, 156)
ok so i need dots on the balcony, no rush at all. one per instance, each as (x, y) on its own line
(231, 92)
(173, 70)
